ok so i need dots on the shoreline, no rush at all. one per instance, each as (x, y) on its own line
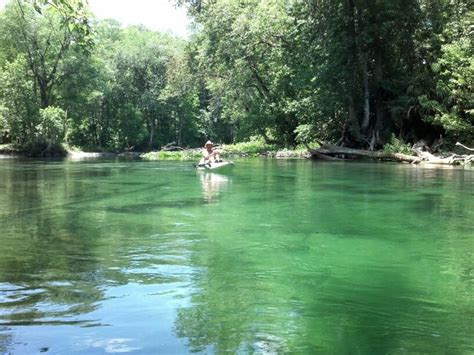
(194, 154)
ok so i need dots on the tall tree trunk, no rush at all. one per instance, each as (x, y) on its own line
(354, 128)
(180, 130)
(366, 120)
(152, 132)
(379, 122)
(43, 94)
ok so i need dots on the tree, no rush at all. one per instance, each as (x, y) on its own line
(37, 42)
(349, 71)
(20, 113)
(450, 102)
(241, 53)
(179, 100)
(52, 126)
(45, 37)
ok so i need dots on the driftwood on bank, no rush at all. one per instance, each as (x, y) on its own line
(453, 159)
(331, 152)
(462, 145)
(171, 147)
(318, 155)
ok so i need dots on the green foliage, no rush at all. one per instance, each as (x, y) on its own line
(129, 89)
(20, 106)
(40, 57)
(240, 53)
(52, 125)
(178, 155)
(75, 16)
(255, 145)
(304, 134)
(287, 72)
(349, 68)
(451, 105)
(397, 146)
(3, 123)
(130, 130)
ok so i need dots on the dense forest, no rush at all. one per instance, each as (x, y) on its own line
(353, 73)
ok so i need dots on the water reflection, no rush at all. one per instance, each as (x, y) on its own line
(359, 276)
(112, 345)
(322, 259)
(213, 185)
(74, 236)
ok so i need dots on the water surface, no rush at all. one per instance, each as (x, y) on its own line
(275, 256)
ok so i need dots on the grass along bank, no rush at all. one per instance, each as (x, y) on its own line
(254, 148)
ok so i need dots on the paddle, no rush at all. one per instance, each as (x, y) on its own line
(202, 165)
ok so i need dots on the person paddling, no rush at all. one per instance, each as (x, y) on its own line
(210, 155)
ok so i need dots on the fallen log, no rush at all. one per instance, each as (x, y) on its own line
(420, 157)
(379, 155)
(318, 155)
(171, 148)
(453, 159)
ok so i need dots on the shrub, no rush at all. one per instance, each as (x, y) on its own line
(51, 128)
(397, 146)
(181, 155)
(256, 145)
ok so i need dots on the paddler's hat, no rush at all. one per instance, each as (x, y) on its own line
(208, 143)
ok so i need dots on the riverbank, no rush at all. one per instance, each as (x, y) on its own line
(190, 154)
(7, 151)
(186, 154)
(227, 153)
(243, 150)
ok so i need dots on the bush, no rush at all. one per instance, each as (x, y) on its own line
(397, 146)
(256, 145)
(182, 155)
(52, 125)
(304, 134)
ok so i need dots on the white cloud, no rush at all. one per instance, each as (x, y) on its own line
(158, 15)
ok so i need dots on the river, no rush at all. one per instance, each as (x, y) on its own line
(276, 256)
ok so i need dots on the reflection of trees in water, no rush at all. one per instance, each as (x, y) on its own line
(228, 312)
(283, 295)
(63, 241)
(360, 293)
(43, 279)
(72, 233)
(5, 340)
(446, 196)
(247, 303)
(266, 303)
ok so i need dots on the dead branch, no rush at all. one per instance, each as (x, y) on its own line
(462, 145)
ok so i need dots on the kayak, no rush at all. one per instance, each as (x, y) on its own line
(215, 166)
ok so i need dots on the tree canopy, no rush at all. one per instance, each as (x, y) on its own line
(350, 72)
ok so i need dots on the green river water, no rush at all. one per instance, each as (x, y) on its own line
(273, 257)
